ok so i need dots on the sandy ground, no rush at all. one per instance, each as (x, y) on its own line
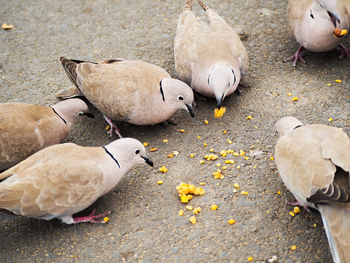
(145, 226)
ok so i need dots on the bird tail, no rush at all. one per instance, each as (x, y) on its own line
(70, 66)
(202, 5)
(188, 5)
(336, 221)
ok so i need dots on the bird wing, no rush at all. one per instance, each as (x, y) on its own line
(58, 180)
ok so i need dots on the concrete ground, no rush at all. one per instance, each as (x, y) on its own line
(145, 226)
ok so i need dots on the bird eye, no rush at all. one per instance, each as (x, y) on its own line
(137, 151)
(180, 97)
(312, 16)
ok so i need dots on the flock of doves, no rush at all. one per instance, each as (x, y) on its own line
(44, 179)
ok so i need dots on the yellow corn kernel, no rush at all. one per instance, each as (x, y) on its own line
(189, 207)
(165, 140)
(214, 207)
(218, 113)
(193, 220)
(163, 169)
(218, 164)
(294, 99)
(249, 117)
(153, 149)
(343, 32)
(272, 158)
(224, 167)
(289, 94)
(211, 150)
(278, 192)
(224, 132)
(230, 151)
(105, 219)
(192, 155)
(160, 182)
(6, 26)
(145, 144)
(250, 259)
(236, 154)
(202, 183)
(185, 199)
(229, 161)
(231, 221)
(330, 119)
(244, 193)
(201, 161)
(236, 185)
(181, 130)
(291, 213)
(329, 84)
(198, 137)
(205, 144)
(296, 209)
(246, 158)
(206, 122)
(108, 127)
(294, 247)
(229, 141)
(338, 81)
(197, 210)
(170, 155)
(238, 167)
(201, 191)
(181, 212)
(241, 153)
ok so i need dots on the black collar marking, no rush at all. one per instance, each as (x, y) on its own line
(59, 115)
(161, 90)
(234, 76)
(108, 152)
(297, 126)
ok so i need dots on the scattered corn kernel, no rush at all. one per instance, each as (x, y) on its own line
(291, 213)
(278, 192)
(189, 207)
(192, 155)
(293, 247)
(106, 219)
(170, 155)
(163, 169)
(234, 190)
(229, 141)
(145, 144)
(294, 99)
(338, 81)
(108, 127)
(197, 210)
(198, 137)
(214, 207)
(241, 153)
(218, 164)
(185, 198)
(176, 153)
(315, 225)
(329, 84)
(206, 122)
(218, 113)
(201, 161)
(181, 212)
(236, 185)
(246, 158)
(272, 158)
(6, 26)
(202, 183)
(205, 144)
(181, 130)
(231, 221)
(153, 149)
(249, 117)
(289, 94)
(250, 259)
(211, 150)
(330, 119)
(160, 182)
(165, 140)
(296, 209)
(185, 191)
(224, 168)
(229, 161)
(238, 167)
(224, 132)
(193, 220)
(244, 193)
(218, 175)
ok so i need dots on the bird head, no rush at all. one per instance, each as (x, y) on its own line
(287, 124)
(325, 10)
(223, 79)
(177, 94)
(70, 109)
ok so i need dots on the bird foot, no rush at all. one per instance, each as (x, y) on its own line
(113, 128)
(92, 218)
(343, 51)
(170, 121)
(296, 57)
(299, 204)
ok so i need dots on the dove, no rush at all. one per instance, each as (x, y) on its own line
(314, 164)
(27, 128)
(63, 179)
(132, 91)
(318, 26)
(211, 57)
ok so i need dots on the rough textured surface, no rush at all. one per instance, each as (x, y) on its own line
(145, 226)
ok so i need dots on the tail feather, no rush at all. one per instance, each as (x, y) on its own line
(70, 66)
(188, 5)
(202, 5)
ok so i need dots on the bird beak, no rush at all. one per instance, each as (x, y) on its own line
(88, 114)
(147, 160)
(220, 100)
(334, 18)
(190, 110)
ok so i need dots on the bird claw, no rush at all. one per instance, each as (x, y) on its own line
(113, 128)
(299, 204)
(343, 51)
(92, 218)
(296, 57)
